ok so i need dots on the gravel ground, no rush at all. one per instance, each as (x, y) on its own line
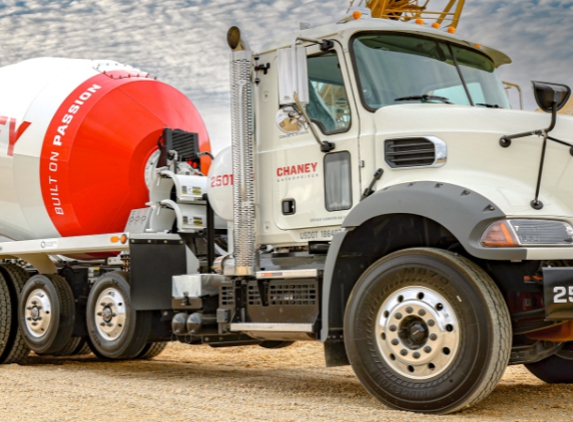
(199, 383)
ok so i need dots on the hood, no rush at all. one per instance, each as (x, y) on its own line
(475, 159)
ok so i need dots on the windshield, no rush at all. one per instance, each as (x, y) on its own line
(398, 68)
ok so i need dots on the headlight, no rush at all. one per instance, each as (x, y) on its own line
(511, 233)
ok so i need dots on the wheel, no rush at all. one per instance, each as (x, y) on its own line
(47, 313)
(556, 369)
(15, 348)
(152, 349)
(276, 344)
(115, 329)
(427, 331)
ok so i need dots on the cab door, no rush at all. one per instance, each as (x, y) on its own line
(313, 189)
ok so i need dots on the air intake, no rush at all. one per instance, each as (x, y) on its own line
(427, 151)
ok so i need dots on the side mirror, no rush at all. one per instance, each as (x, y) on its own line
(551, 97)
(293, 76)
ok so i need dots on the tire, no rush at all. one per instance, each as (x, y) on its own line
(68, 349)
(152, 349)
(16, 348)
(556, 369)
(50, 327)
(82, 349)
(6, 317)
(276, 344)
(427, 331)
(115, 329)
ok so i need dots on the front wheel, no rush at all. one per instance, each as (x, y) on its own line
(427, 331)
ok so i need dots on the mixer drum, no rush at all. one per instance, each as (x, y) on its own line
(75, 139)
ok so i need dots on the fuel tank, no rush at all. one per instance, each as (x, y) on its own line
(76, 138)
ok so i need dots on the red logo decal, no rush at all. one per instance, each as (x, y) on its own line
(14, 134)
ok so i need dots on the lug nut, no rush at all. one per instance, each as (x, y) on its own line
(398, 315)
(421, 312)
(104, 304)
(34, 323)
(29, 308)
(403, 352)
(395, 342)
(433, 337)
(393, 328)
(416, 355)
(99, 313)
(102, 324)
(29, 318)
(427, 349)
(409, 309)
(113, 315)
(431, 322)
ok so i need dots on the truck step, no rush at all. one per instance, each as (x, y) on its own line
(272, 326)
(289, 274)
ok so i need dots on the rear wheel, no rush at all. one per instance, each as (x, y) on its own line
(556, 369)
(15, 349)
(47, 313)
(427, 331)
(115, 329)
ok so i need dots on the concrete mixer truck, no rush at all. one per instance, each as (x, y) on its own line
(380, 196)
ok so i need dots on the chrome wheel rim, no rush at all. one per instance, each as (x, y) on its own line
(417, 332)
(110, 314)
(38, 313)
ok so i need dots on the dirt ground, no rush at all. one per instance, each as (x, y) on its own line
(198, 383)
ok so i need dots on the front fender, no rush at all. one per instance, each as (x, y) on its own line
(465, 213)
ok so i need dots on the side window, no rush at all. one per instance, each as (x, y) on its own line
(337, 181)
(328, 106)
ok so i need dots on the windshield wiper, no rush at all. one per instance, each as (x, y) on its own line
(488, 105)
(424, 98)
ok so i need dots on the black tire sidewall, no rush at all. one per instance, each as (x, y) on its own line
(46, 343)
(440, 393)
(111, 348)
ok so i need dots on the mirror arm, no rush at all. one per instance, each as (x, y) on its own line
(505, 141)
(325, 146)
(325, 44)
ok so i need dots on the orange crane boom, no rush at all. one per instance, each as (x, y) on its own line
(406, 10)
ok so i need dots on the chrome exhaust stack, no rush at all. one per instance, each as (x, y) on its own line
(243, 156)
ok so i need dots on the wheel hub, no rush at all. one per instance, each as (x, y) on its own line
(417, 332)
(38, 313)
(413, 332)
(110, 314)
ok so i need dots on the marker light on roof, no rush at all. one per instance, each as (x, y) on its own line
(357, 14)
(419, 21)
(436, 25)
(451, 30)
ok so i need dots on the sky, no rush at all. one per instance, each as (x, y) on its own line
(183, 43)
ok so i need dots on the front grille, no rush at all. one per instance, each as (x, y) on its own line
(409, 152)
